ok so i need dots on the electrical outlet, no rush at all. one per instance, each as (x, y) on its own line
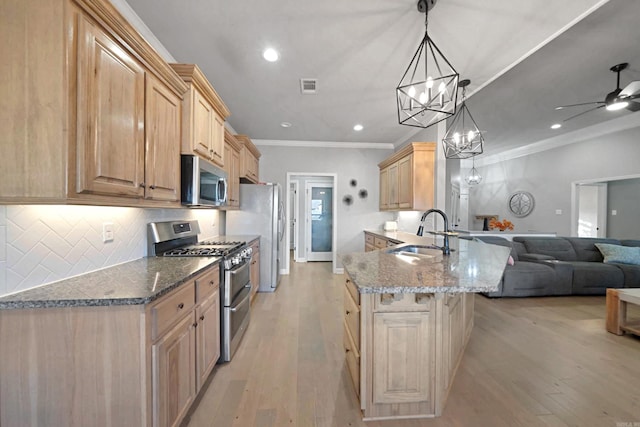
(107, 232)
(614, 212)
(558, 211)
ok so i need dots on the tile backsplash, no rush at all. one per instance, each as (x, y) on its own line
(40, 244)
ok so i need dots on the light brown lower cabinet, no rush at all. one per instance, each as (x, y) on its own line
(121, 365)
(402, 350)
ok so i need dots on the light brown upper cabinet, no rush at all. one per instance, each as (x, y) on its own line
(95, 110)
(232, 166)
(203, 118)
(407, 178)
(249, 160)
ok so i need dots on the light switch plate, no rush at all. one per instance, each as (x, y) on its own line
(107, 232)
(558, 211)
(614, 212)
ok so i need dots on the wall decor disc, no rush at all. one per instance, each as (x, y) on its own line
(521, 203)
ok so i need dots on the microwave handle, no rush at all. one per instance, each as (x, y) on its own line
(223, 196)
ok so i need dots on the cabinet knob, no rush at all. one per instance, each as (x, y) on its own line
(202, 317)
(195, 325)
(142, 185)
(346, 350)
(153, 187)
(348, 312)
(180, 306)
(212, 283)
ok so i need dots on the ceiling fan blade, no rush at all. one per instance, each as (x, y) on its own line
(633, 106)
(631, 89)
(584, 112)
(562, 107)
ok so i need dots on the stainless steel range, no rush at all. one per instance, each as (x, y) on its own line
(180, 239)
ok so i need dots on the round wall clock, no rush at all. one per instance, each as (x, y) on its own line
(521, 203)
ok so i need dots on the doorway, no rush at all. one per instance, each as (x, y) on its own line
(592, 210)
(316, 211)
(319, 221)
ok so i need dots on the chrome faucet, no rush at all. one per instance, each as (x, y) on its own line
(445, 248)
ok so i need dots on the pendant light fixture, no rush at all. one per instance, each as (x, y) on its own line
(463, 138)
(428, 90)
(474, 177)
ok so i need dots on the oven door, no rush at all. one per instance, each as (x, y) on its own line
(236, 320)
(235, 280)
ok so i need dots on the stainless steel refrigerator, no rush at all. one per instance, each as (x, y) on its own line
(261, 212)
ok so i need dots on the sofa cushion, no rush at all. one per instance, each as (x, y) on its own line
(528, 279)
(593, 278)
(635, 243)
(619, 254)
(631, 275)
(585, 247)
(556, 247)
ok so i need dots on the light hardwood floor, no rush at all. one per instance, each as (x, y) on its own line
(529, 362)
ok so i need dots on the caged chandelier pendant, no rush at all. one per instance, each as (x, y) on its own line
(463, 138)
(428, 90)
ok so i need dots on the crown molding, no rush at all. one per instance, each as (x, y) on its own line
(323, 144)
(619, 124)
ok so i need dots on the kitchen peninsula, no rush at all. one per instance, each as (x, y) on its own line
(408, 317)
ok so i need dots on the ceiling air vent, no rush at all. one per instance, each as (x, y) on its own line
(308, 86)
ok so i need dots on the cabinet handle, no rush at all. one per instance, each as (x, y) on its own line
(195, 325)
(142, 185)
(180, 306)
(348, 312)
(153, 187)
(202, 317)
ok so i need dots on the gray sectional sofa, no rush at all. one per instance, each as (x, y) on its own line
(545, 266)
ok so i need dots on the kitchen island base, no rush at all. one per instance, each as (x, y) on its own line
(403, 349)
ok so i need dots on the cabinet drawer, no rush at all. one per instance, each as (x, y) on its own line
(352, 317)
(368, 238)
(353, 359)
(403, 302)
(379, 242)
(170, 308)
(207, 283)
(352, 290)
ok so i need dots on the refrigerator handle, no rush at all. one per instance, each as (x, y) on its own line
(280, 221)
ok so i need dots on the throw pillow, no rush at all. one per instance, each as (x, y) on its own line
(619, 254)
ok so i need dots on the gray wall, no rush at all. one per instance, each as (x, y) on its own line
(348, 163)
(548, 176)
(624, 197)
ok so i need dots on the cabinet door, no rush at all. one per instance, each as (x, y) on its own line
(217, 140)
(174, 382)
(110, 116)
(208, 336)
(384, 189)
(162, 161)
(234, 178)
(401, 357)
(393, 186)
(203, 114)
(405, 182)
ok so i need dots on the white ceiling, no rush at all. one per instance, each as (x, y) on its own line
(358, 51)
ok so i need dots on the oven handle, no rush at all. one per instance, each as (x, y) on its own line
(243, 302)
(244, 266)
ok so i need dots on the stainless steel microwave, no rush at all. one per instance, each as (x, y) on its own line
(202, 183)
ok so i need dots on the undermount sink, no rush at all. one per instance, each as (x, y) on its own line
(431, 251)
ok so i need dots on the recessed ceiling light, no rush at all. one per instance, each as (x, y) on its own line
(285, 124)
(270, 55)
(556, 126)
(358, 128)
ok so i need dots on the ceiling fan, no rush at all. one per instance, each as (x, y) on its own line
(616, 100)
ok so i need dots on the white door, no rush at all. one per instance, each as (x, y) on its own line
(319, 219)
(592, 210)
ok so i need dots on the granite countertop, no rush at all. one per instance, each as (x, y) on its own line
(135, 282)
(472, 267)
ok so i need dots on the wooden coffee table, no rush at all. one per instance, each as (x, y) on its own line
(617, 300)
